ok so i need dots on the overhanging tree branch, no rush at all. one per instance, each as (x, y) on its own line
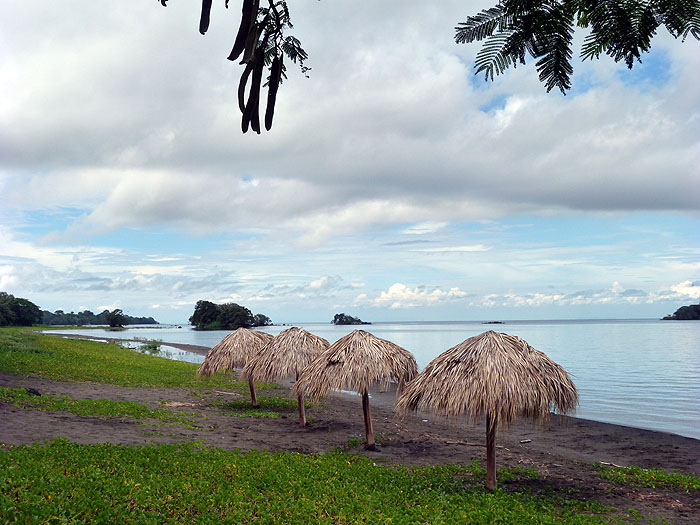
(621, 29)
(510, 30)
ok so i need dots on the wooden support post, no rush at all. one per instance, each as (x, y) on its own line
(491, 424)
(369, 432)
(252, 393)
(302, 414)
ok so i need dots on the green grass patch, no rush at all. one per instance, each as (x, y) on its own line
(653, 478)
(265, 402)
(504, 474)
(63, 481)
(254, 412)
(103, 408)
(32, 354)
(270, 406)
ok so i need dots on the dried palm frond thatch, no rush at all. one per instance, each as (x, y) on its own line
(285, 356)
(234, 351)
(357, 362)
(492, 375)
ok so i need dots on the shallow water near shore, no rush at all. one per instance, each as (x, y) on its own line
(642, 373)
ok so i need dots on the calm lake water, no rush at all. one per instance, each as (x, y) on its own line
(640, 373)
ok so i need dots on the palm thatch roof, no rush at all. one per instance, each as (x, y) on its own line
(233, 351)
(356, 362)
(492, 374)
(284, 356)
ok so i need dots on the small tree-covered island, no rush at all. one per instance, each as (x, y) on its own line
(685, 313)
(228, 316)
(341, 319)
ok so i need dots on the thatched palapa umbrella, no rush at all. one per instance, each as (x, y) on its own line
(492, 375)
(356, 362)
(286, 356)
(234, 351)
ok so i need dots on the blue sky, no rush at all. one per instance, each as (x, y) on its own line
(395, 185)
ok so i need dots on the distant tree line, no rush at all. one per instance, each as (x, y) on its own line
(228, 316)
(17, 311)
(685, 313)
(86, 317)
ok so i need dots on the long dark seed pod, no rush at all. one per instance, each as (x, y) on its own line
(254, 104)
(250, 42)
(204, 17)
(245, 122)
(241, 85)
(275, 76)
(254, 95)
(252, 39)
(252, 108)
(252, 100)
(249, 13)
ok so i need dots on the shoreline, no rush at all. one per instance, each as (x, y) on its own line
(386, 398)
(195, 349)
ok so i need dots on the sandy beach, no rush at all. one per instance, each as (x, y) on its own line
(563, 452)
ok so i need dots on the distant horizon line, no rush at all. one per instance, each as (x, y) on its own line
(480, 321)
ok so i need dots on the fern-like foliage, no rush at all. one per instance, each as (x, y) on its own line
(482, 25)
(513, 30)
(681, 17)
(621, 29)
(553, 47)
(544, 30)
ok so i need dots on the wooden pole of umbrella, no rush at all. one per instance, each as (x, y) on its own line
(253, 397)
(302, 412)
(369, 431)
(491, 424)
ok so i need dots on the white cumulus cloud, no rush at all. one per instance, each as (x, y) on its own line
(688, 288)
(401, 296)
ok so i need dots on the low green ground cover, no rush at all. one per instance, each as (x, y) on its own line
(265, 402)
(63, 481)
(270, 406)
(653, 478)
(105, 408)
(33, 354)
(253, 412)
